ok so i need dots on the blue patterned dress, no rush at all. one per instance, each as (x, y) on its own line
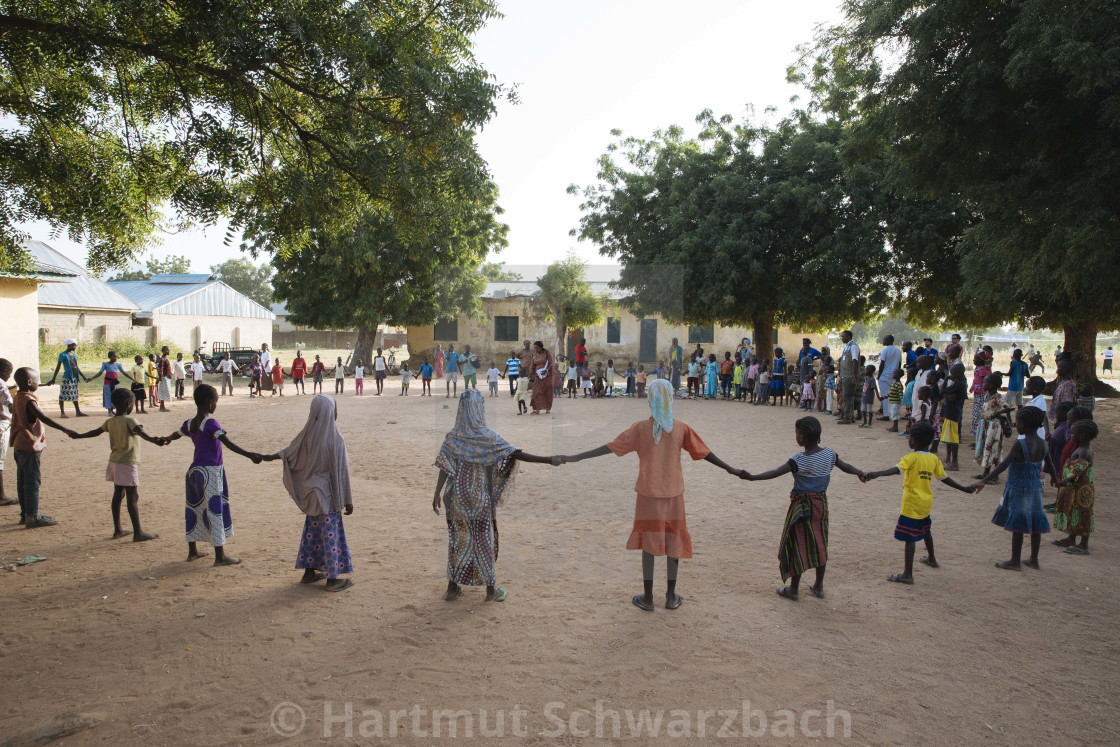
(323, 546)
(208, 517)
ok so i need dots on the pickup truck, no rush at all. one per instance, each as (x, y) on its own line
(242, 357)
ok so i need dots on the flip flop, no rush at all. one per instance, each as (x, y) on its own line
(675, 604)
(785, 593)
(1061, 543)
(927, 561)
(451, 596)
(500, 594)
(639, 601)
(319, 576)
(8, 502)
(816, 592)
(899, 578)
(1074, 550)
(1006, 566)
(344, 585)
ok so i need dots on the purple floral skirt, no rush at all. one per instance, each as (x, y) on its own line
(323, 547)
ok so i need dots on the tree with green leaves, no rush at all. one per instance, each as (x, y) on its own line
(173, 265)
(568, 298)
(742, 226)
(495, 272)
(1008, 109)
(376, 275)
(247, 278)
(126, 118)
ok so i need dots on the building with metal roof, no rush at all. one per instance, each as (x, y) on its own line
(76, 304)
(193, 310)
(19, 308)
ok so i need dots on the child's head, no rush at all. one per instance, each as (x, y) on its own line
(911, 373)
(1035, 385)
(27, 379)
(152, 357)
(599, 364)
(339, 359)
(317, 358)
(1061, 412)
(197, 359)
(1028, 420)
(778, 353)
(206, 399)
(1076, 414)
(711, 357)
(898, 374)
(178, 356)
(641, 369)
(139, 359)
(425, 359)
(1085, 391)
(1065, 368)
(727, 355)
(1084, 432)
(122, 400)
(980, 359)
(738, 358)
(404, 366)
(807, 431)
(1017, 354)
(357, 363)
(5, 369)
(993, 382)
(869, 371)
(560, 358)
(493, 364)
(921, 435)
(957, 371)
(923, 393)
(610, 362)
(924, 362)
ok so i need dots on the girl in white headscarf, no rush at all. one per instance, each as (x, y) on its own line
(659, 521)
(317, 476)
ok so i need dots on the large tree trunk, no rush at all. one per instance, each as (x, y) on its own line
(764, 336)
(365, 348)
(561, 341)
(1081, 341)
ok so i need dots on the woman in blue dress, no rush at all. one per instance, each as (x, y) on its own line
(711, 377)
(1020, 510)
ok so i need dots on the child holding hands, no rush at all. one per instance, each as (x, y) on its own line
(918, 468)
(659, 518)
(804, 543)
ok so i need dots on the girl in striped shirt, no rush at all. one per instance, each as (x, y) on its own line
(804, 542)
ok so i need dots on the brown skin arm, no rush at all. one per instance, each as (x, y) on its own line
(522, 456)
(881, 473)
(963, 488)
(139, 431)
(785, 469)
(88, 434)
(34, 407)
(254, 457)
(601, 451)
(440, 482)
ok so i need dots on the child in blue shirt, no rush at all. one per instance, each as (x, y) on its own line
(1016, 378)
(426, 372)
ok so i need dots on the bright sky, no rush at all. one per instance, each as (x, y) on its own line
(584, 67)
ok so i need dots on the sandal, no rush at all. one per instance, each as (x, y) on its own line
(451, 596)
(676, 602)
(640, 602)
(319, 576)
(785, 593)
(931, 563)
(344, 585)
(500, 594)
(1075, 550)
(900, 579)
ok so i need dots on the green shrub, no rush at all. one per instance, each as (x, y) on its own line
(90, 354)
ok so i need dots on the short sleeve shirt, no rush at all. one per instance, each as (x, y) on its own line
(468, 367)
(1016, 380)
(659, 465)
(811, 472)
(426, 371)
(513, 366)
(299, 368)
(227, 366)
(179, 369)
(207, 447)
(919, 469)
(196, 371)
(124, 445)
(5, 401)
(452, 362)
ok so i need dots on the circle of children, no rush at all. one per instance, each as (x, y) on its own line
(477, 466)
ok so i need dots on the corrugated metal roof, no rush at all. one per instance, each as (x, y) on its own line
(280, 309)
(209, 298)
(75, 289)
(181, 279)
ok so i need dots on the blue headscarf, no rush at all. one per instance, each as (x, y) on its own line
(661, 406)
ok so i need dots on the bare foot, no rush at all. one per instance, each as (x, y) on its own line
(196, 555)
(144, 536)
(83, 415)
(227, 560)
(1032, 564)
(120, 533)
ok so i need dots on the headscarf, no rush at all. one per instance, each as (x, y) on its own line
(471, 440)
(661, 405)
(316, 468)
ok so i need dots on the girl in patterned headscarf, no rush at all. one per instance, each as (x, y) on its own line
(477, 469)
(659, 521)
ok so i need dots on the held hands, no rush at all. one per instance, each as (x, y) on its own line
(976, 487)
(866, 477)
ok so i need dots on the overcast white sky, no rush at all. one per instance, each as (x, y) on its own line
(584, 67)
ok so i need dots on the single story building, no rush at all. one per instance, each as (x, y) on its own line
(19, 310)
(189, 310)
(513, 312)
(78, 305)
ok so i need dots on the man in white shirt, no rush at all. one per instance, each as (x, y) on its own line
(180, 372)
(197, 369)
(228, 367)
(890, 360)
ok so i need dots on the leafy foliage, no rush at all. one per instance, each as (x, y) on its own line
(173, 265)
(568, 297)
(132, 116)
(495, 272)
(251, 280)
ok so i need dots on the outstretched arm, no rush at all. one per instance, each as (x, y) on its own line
(42, 416)
(881, 473)
(139, 431)
(785, 469)
(963, 488)
(601, 451)
(255, 458)
(845, 467)
(713, 459)
(88, 434)
(523, 456)
(1014, 456)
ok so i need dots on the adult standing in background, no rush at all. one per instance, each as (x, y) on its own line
(744, 350)
(890, 360)
(541, 368)
(908, 352)
(676, 353)
(266, 367)
(68, 392)
(439, 361)
(929, 349)
(581, 353)
(849, 362)
(1107, 360)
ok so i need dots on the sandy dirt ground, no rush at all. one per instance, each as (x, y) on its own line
(171, 652)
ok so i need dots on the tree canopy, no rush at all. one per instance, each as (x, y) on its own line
(247, 278)
(495, 272)
(742, 225)
(1010, 111)
(130, 116)
(570, 302)
(173, 265)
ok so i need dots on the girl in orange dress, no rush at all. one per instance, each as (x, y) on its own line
(659, 521)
